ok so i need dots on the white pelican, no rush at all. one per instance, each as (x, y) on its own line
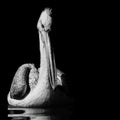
(36, 87)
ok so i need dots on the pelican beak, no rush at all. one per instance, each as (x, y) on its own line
(43, 26)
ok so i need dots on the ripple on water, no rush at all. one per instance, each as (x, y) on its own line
(40, 113)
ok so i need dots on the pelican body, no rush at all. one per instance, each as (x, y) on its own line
(36, 87)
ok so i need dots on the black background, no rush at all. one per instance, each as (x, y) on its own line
(76, 36)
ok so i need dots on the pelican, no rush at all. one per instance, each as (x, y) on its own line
(36, 87)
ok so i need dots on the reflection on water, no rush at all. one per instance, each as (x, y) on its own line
(40, 113)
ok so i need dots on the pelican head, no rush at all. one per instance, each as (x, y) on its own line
(32, 86)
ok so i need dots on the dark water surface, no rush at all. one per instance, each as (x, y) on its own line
(61, 113)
